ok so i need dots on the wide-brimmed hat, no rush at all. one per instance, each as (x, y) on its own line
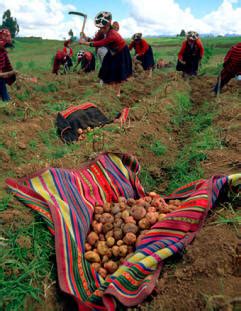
(102, 19)
(5, 37)
(137, 36)
(192, 35)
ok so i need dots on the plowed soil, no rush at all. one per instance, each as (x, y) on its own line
(206, 277)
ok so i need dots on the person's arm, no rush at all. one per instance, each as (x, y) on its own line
(181, 52)
(7, 74)
(131, 45)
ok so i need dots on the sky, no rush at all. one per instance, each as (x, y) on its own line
(50, 18)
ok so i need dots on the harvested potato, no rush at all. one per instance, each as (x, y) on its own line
(99, 210)
(107, 218)
(129, 238)
(92, 238)
(116, 251)
(91, 256)
(123, 250)
(107, 207)
(96, 266)
(110, 241)
(130, 228)
(118, 234)
(144, 223)
(138, 212)
(130, 220)
(125, 214)
(109, 234)
(107, 227)
(88, 247)
(102, 272)
(152, 217)
(119, 243)
(111, 266)
(102, 248)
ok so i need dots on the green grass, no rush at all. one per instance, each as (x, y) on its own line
(25, 265)
(158, 148)
(199, 136)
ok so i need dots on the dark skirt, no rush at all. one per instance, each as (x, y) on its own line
(191, 66)
(147, 60)
(88, 66)
(116, 68)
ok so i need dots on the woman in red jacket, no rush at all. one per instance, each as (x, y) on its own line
(143, 52)
(116, 66)
(231, 67)
(190, 55)
(7, 74)
(68, 54)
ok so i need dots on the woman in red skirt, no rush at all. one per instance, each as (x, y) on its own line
(116, 66)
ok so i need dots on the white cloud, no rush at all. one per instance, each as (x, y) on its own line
(153, 17)
(49, 18)
(44, 18)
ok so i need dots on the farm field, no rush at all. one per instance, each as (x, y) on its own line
(178, 131)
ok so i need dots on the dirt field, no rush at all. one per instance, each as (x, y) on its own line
(178, 131)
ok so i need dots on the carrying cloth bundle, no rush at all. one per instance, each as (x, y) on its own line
(83, 116)
(66, 200)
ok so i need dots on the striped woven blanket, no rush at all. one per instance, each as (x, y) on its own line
(65, 199)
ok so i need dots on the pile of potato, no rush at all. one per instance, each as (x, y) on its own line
(117, 228)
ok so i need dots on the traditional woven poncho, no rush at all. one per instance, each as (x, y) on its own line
(66, 199)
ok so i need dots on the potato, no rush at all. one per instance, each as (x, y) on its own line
(105, 258)
(119, 243)
(98, 217)
(107, 227)
(130, 228)
(152, 217)
(115, 251)
(129, 238)
(92, 238)
(122, 200)
(107, 207)
(92, 256)
(111, 266)
(102, 248)
(122, 206)
(102, 272)
(87, 247)
(131, 202)
(118, 234)
(118, 222)
(115, 208)
(138, 212)
(107, 218)
(101, 237)
(161, 217)
(144, 223)
(130, 220)
(153, 194)
(151, 209)
(97, 227)
(95, 266)
(110, 241)
(123, 250)
(99, 210)
(109, 234)
(148, 199)
(125, 214)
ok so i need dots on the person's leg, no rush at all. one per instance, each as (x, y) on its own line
(223, 79)
(3, 90)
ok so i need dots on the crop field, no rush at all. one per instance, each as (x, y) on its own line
(178, 131)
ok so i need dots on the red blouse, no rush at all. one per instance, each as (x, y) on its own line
(140, 46)
(68, 51)
(184, 45)
(113, 41)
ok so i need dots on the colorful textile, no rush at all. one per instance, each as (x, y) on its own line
(5, 66)
(66, 199)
